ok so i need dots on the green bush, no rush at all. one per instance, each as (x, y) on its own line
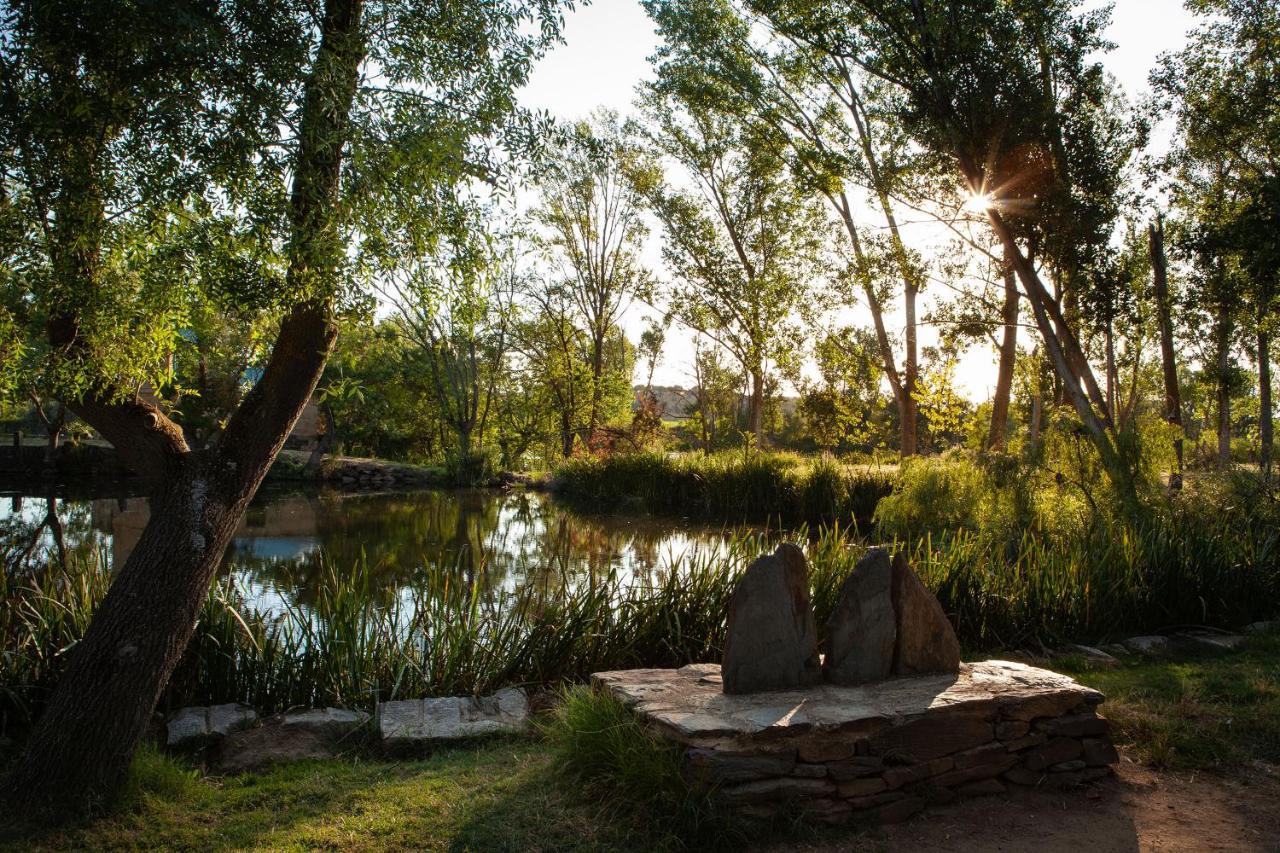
(471, 468)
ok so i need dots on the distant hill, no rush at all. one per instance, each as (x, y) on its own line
(675, 401)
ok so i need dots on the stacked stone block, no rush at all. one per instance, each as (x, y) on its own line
(893, 776)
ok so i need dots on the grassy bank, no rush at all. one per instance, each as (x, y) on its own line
(728, 487)
(1205, 713)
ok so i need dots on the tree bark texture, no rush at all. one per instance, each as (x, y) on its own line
(1223, 334)
(997, 436)
(1168, 360)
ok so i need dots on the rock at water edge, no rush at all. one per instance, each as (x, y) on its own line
(197, 725)
(772, 641)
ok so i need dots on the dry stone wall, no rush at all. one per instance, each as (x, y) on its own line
(877, 752)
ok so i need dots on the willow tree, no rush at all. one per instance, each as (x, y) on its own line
(298, 120)
(1011, 96)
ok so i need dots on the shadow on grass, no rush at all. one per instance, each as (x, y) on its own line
(499, 796)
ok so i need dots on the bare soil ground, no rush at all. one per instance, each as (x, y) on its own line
(1139, 811)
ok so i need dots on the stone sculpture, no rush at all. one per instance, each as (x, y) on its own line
(772, 641)
(885, 624)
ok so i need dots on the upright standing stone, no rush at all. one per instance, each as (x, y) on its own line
(926, 641)
(863, 628)
(772, 641)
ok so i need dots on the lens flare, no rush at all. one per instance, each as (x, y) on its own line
(979, 202)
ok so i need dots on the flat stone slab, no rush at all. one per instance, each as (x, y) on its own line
(416, 721)
(200, 725)
(327, 721)
(687, 705)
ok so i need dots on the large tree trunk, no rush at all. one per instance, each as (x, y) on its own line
(80, 752)
(104, 701)
(1168, 361)
(1264, 401)
(997, 436)
(81, 749)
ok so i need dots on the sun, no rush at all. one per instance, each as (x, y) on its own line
(979, 202)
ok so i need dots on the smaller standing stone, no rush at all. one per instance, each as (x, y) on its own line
(772, 639)
(926, 641)
(863, 630)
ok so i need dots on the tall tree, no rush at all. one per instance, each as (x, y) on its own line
(998, 434)
(1224, 90)
(839, 131)
(591, 214)
(743, 244)
(1168, 357)
(113, 113)
(456, 307)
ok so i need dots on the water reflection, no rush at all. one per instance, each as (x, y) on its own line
(492, 542)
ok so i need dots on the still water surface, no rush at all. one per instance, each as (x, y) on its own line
(287, 540)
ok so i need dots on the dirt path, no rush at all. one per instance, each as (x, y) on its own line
(1140, 811)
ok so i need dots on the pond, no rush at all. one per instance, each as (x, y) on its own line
(288, 540)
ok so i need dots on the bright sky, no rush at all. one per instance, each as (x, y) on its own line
(605, 57)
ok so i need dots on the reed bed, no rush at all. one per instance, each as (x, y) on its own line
(728, 487)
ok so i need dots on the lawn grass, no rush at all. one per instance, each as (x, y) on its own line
(1208, 711)
(497, 796)
(1219, 713)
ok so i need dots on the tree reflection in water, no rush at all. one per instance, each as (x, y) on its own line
(490, 544)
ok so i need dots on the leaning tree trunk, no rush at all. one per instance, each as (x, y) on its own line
(1168, 359)
(105, 698)
(79, 753)
(997, 436)
(1078, 382)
